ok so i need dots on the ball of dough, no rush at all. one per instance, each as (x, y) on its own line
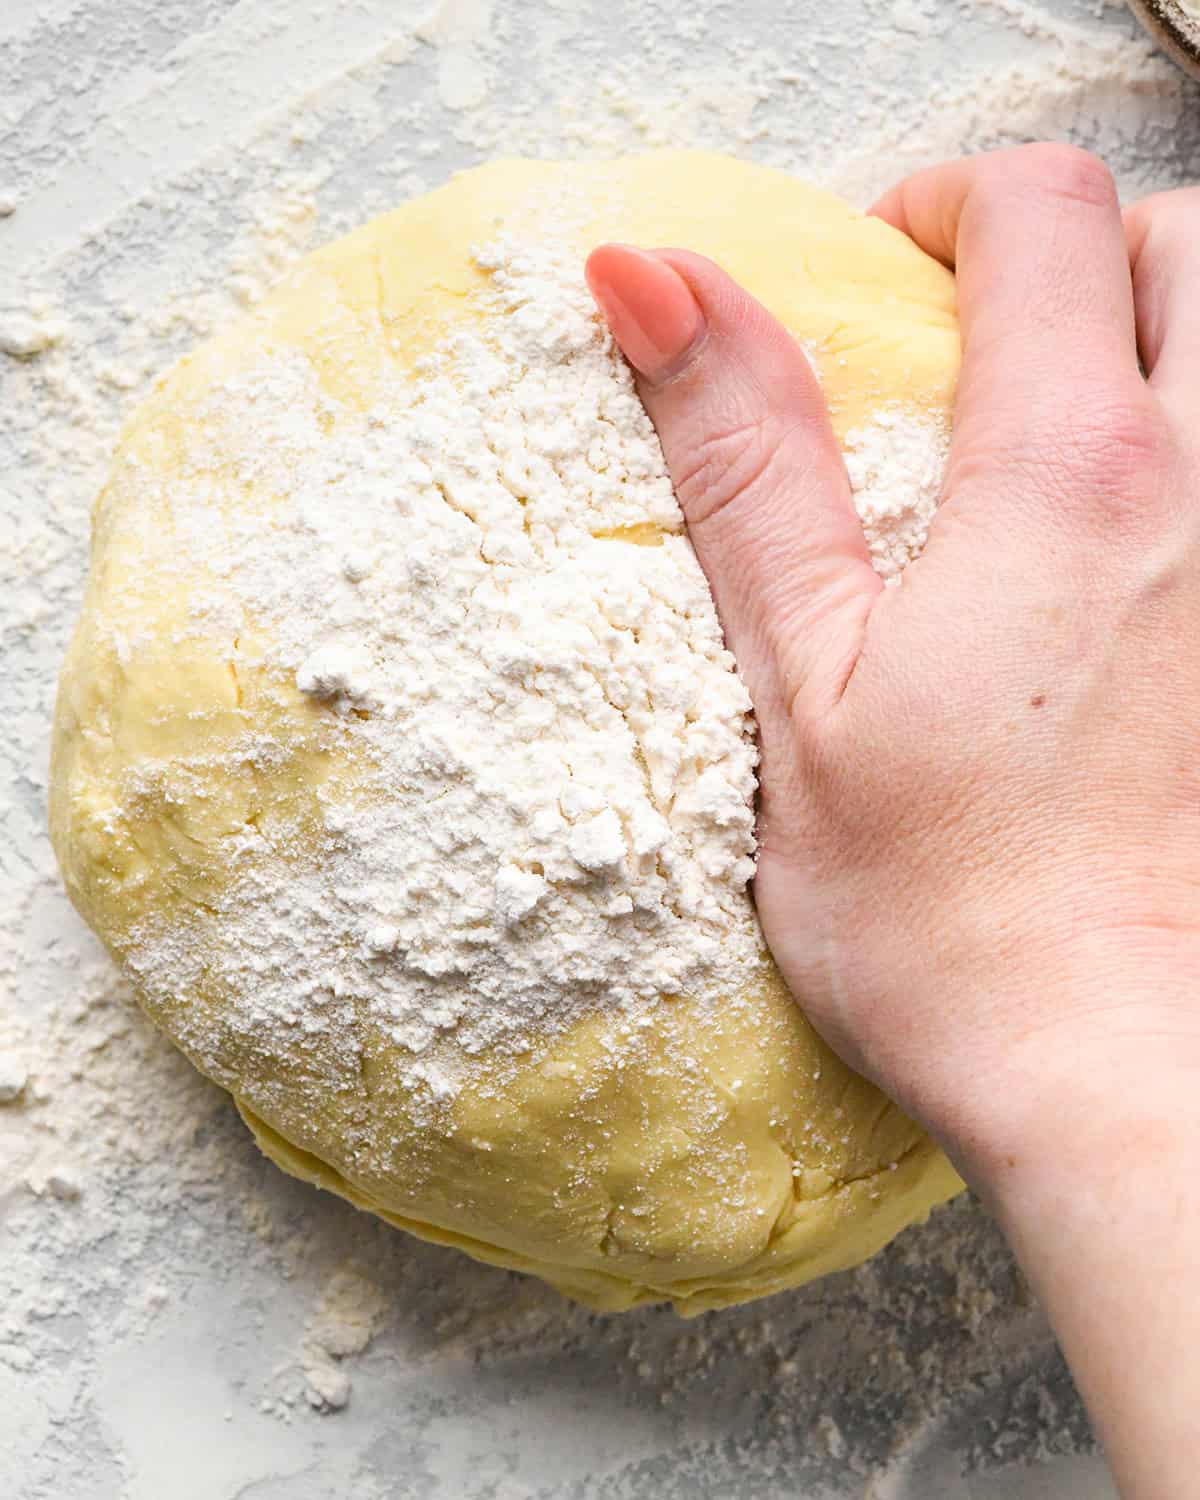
(399, 762)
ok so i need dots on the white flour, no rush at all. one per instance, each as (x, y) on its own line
(146, 1324)
(350, 1311)
(896, 464)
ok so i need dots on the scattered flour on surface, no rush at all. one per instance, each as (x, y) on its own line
(24, 335)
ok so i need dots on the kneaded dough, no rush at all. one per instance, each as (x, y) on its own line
(723, 1154)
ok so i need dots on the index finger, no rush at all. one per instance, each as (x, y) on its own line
(1050, 376)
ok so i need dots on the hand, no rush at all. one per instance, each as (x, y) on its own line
(980, 815)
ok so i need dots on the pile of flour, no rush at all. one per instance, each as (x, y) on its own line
(553, 808)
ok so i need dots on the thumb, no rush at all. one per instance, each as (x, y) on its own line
(756, 468)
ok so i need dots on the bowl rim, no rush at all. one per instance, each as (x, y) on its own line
(1175, 30)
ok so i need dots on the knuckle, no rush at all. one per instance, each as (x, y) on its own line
(1175, 209)
(1102, 452)
(1069, 172)
(1118, 431)
(1165, 221)
(1112, 455)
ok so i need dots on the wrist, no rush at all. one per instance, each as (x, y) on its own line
(1107, 1124)
(1082, 1058)
(1098, 1203)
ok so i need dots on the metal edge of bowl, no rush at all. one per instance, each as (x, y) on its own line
(1176, 32)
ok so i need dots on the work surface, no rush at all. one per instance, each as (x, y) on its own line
(176, 1318)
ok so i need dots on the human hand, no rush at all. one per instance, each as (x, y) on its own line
(982, 788)
(980, 814)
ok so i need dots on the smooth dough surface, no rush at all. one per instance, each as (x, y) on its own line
(703, 1168)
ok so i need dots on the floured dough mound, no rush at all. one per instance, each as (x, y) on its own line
(400, 763)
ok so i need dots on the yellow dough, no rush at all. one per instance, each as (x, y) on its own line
(713, 1153)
